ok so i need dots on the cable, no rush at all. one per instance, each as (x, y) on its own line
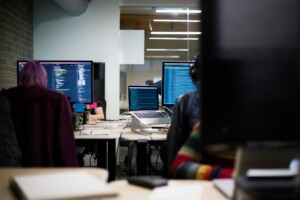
(157, 160)
(118, 146)
(168, 109)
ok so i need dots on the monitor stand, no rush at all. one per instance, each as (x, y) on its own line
(265, 156)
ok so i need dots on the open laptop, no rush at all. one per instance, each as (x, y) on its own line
(144, 105)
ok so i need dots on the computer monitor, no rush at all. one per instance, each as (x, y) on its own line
(250, 71)
(176, 81)
(72, 78)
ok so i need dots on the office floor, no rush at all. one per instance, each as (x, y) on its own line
(155, 169)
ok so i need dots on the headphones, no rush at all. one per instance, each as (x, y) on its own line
(194, 65)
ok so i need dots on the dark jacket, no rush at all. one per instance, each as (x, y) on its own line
(10, 154)
(185, 116)
(43, 124)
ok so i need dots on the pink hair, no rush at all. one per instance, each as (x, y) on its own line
(33, 74)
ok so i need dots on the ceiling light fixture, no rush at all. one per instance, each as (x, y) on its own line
(178, 11)
(174, 33)
(174, 56)
(171, 38)
(166, 49)
(177, 20)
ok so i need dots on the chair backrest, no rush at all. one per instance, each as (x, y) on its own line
(10, 153)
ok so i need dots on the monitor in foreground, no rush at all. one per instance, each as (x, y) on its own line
(250, 78)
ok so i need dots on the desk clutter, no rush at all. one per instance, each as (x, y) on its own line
(94, 132)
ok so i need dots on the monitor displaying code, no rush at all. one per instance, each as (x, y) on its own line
(176, 81)
(72, 78)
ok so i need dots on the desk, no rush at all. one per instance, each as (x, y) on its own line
(142, 140)
(127, 191)
(106, 144)
(7, 173)
(106, 149)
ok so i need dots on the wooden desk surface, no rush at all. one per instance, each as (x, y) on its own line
(116, 131)
(7, 173)
(128, 192)
(125, 191)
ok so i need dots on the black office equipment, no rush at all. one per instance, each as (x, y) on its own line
(72, 78)
(250, 86)
(99, 81)
(250, 81)
(147, 181)
(176, 81)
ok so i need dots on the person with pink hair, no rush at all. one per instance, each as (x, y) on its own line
(33, 74)
(42, 120)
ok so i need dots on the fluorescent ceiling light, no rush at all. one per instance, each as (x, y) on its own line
(174, 33)
(177, 11)
(171, 38)
(174, 56)
(176, 20)
(166, 49)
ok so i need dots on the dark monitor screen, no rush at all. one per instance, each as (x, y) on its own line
(72, 78)
(176, 81)
(250, 71)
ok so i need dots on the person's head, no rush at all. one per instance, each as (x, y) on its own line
(195, 69)
(33, 74)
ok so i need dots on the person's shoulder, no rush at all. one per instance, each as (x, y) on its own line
(189, 95)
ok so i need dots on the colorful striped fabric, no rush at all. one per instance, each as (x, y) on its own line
(187, 163)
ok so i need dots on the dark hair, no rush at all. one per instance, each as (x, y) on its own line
(195, 68)
(33, 74)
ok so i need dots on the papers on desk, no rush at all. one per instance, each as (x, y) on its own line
(92, 127)
(225, 186)
(94, 132)
(191, 191)
(103, 125)
(60, 185)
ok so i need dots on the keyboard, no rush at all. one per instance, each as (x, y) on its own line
(152, 117)
(89, 126)
(150, 114)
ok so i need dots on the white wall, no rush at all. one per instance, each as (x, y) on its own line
(132, 46)
(94, 35)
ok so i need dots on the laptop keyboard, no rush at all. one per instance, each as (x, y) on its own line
(150, 114)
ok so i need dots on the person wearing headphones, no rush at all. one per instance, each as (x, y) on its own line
(186, 157)
(186, 114)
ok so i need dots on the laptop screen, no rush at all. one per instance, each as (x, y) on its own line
(143, 98)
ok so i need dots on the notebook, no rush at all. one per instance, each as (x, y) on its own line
(144, 105)
(60, 185)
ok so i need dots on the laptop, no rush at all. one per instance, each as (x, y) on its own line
(144, 105)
